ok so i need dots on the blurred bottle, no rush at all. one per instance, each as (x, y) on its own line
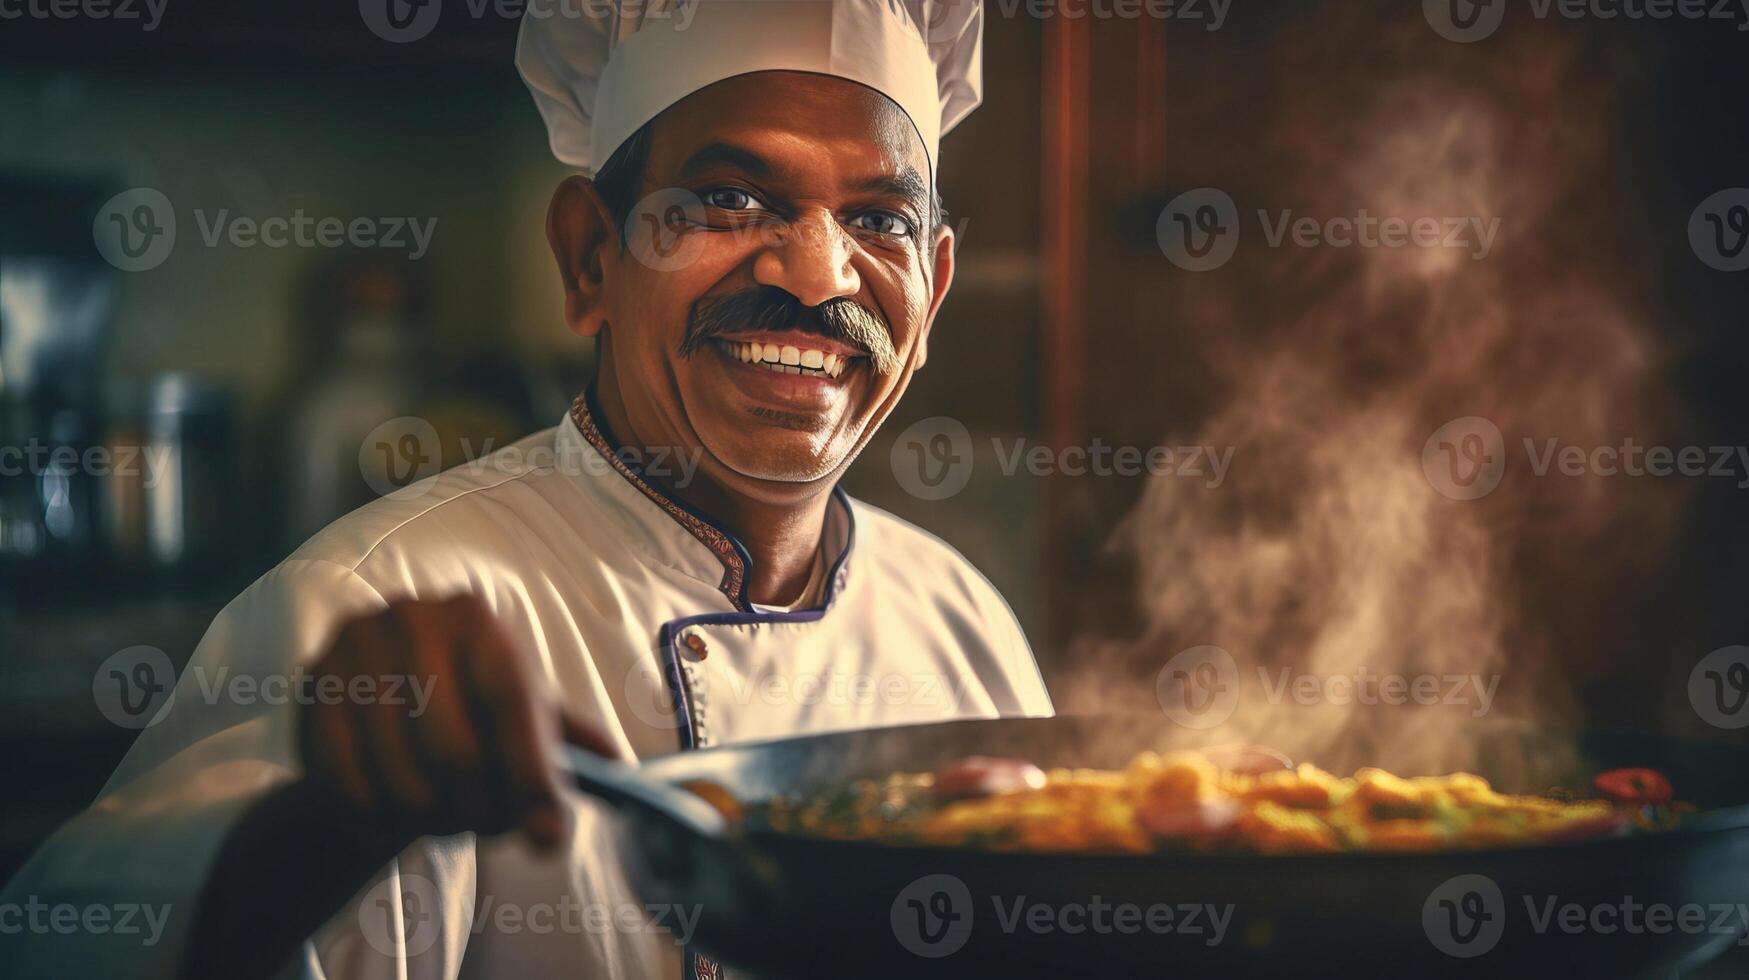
(390, 404)
(171, 513)
(375, 376)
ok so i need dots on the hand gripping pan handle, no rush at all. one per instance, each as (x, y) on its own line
(625, 787)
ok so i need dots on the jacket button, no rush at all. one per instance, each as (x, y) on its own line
(695, 642)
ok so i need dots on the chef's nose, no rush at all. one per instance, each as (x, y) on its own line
(809, 258)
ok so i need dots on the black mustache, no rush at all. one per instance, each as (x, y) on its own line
(770, 308)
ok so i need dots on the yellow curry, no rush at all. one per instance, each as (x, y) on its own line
(1183, 801)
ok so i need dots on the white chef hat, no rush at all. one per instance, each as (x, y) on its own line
(601, 69)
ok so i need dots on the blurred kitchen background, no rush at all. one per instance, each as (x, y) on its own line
(256, 374)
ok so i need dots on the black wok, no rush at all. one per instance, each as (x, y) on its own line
(782, 905)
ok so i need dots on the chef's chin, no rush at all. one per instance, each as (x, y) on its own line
(775, 449)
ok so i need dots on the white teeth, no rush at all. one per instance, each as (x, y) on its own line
(786, 359)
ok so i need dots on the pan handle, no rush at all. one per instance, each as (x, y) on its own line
(619, 784)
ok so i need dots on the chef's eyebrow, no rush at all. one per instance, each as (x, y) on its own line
(907, 183)
(726, 155)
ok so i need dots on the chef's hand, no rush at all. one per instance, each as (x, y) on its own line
(478, 751)
(471, 744)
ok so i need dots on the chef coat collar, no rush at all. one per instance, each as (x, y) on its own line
(668, 530)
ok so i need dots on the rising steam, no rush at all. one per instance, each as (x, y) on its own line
(1327, 552)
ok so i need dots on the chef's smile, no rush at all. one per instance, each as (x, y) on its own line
(793, 356)
(794, 381)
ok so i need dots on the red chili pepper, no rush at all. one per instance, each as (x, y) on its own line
(1637, 786)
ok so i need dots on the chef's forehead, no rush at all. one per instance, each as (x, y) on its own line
(790, 125)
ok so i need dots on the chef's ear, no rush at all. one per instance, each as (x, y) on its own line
(582, 233)
(941, 281)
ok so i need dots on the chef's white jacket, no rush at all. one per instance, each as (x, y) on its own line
(635, 611)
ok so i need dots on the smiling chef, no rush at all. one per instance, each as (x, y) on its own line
(760, 257)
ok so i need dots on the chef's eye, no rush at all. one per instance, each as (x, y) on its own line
(883, 223)
(730, 199)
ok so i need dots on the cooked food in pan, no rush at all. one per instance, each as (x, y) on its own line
(1219, 801)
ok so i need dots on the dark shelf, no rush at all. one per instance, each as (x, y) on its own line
(203, 35)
